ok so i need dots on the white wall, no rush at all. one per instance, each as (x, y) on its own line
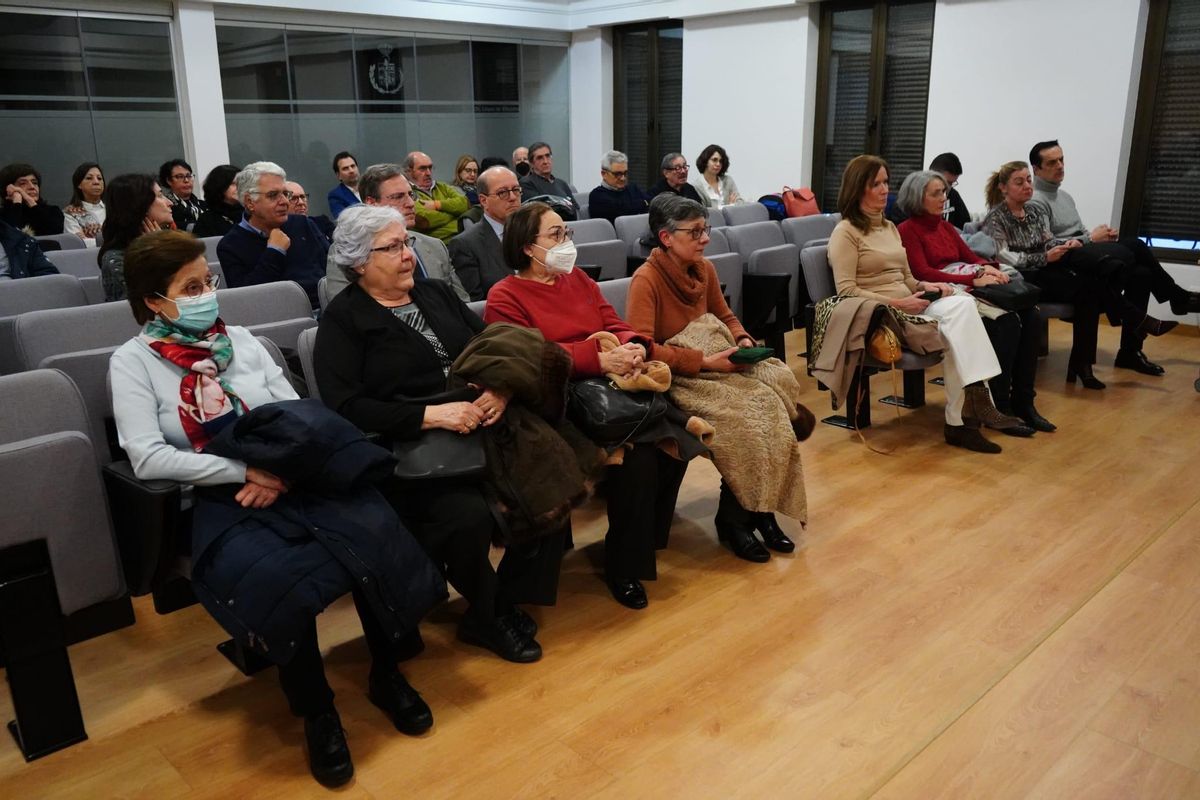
(737, 93)
(591, 105)
(1008, 73)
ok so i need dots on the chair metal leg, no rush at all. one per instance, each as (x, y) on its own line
(858, 405)
(35, 648)
(938, 381)
(1044, 336)
(914, 390)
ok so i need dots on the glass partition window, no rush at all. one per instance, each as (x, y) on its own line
(79, 89)
(298, 97)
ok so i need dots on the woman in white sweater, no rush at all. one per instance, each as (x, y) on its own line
(714, 185)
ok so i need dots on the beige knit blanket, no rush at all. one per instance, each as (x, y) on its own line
(755, 447)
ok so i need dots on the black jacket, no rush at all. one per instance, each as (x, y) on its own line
(686, 190)
(247, 261)
(605, 203)
(25, 258)
(43, 219)
(264, 574)
(363, 353)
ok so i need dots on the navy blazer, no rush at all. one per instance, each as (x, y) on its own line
(25, 257)
(247, 261)
(340, 198)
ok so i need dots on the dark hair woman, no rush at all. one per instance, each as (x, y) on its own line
(23, 206)
(134, 205)
(220, 194)
(84, 215)
(178, 185)
(715, 187)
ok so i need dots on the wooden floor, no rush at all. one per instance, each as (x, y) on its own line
(953, 625)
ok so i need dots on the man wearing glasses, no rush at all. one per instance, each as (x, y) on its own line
(269, 244)
(540, 179)
(476, 252)
(674, 179)
(298, 204)
(438, 205)
(616, 196)
(950, 167)
(385, 185)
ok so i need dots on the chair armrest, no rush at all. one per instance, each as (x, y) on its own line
(147, 517)
(762, 295)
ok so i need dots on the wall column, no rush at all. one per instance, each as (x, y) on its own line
(198, 83)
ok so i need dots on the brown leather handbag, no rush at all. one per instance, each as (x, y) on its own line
(884, 345)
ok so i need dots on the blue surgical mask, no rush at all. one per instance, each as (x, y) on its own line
(196, 314)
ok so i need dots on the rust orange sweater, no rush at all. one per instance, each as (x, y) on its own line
(664, 298)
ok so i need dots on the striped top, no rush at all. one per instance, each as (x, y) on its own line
(411, 316)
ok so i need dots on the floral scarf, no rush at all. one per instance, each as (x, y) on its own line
(206, 402)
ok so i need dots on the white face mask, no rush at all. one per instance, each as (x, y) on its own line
(560, 258)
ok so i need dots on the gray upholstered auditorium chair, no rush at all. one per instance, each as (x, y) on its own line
(818, 276)
(210, 248)
(745, 213)
(763, 251)
(304, 346)
(80, 263)
(278, 310)
(65, 241)
(804, 231)
(32, 294)
(61, 576)
(597, 245)
(617, 294)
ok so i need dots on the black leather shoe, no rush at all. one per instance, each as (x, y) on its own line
(502, 638)
(1023, 431)
(742, 542)
(969, 439)
(1185, 302)
(400, 701)
(328, 754)
(1035, 420)
(524, 623)
(1137, 362)
(773, 536)
(629, 593)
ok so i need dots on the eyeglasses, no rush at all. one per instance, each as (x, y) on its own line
(185, 176)
(299, 198)
(678, 168)
(558, 235)
(194, 289)
(274, 194)
(505, 194)
(399, 197)
(696, 233)
(395, 247)
(618, 175)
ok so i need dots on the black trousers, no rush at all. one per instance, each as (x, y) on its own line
(641, 496)
(303, 678)
(451, 519)
(1088, 292)
(1014, 337)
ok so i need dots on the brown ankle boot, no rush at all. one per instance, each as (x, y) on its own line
(978, 409)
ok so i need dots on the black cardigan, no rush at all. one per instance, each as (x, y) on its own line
(371, 365)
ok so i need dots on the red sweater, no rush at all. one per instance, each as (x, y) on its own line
(932, 244)
(567, 311)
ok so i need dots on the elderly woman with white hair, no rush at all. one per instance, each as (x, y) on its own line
(617, 195)
(383, 352)
(937, 253)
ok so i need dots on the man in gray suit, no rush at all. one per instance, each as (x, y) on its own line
(385, 185)
(476, 251)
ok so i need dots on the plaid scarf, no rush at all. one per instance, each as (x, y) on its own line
(206, 402)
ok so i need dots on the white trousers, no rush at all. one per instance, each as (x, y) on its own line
(969, 355)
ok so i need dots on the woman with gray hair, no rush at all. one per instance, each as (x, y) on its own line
(937, 254)
(384, 348)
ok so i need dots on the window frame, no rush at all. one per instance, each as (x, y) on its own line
(652, 28)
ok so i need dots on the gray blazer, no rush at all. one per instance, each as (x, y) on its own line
(478, 259)
(434, 257)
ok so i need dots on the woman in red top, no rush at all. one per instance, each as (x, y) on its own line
(549, 294)
(937, 253)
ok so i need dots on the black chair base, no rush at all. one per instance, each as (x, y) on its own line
(38, 667)
(842, 421)
(93, 621)
(914, 390)
(173, 594)
(246, 660)
(765, 304)
(938, 381)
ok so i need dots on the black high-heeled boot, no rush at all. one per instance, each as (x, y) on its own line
(773, 536)
(1084, 373)
(735, 528)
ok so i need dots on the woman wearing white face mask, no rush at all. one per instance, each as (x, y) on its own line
(549, 294)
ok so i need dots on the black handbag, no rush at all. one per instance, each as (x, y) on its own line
(610, 416)
(1016, 295)
(439, 453)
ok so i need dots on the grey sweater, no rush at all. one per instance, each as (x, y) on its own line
(1059, 210)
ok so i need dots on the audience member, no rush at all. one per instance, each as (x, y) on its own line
(177, 182)
(84, 215)
(476, 253)
(1140, 272)
(616, 196)
(20, 256)
(134, 205)
(220, 195)
(439, 205)
(491, 161)
(383, 353)
(298, 204)
(541, 179)
(385, 185)
(23, 206)
(937, 253)
(675, 300)
(345, 194)
(950, 168)
(466, 172)
(269, 244)
(674, 179)
(714, 185)
(1024, 241)
(869, 262)
(520, 161)
(280, 550)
